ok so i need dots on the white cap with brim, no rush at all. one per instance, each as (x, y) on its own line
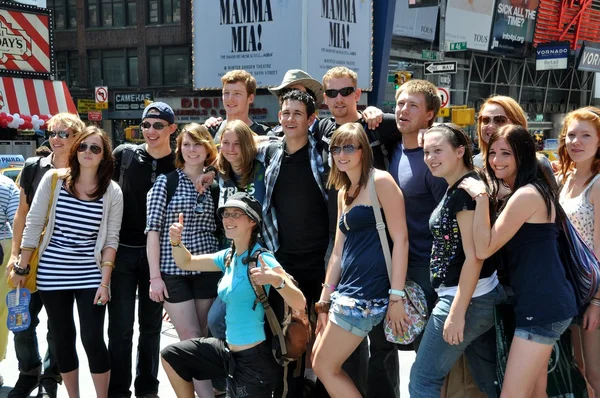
(244, 202)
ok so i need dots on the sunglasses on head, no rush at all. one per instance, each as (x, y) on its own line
(61, 134)
(234, 214)
(199, 209)
(155, 125)
(346, 91)
(348, 149)
(95, 149)
(498, 120)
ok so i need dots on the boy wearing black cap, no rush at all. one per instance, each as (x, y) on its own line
(136, 170)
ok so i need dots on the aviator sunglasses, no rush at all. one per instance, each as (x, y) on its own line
(199, 209)
(346, 91)
(95, 149)
(155, 125)
(61, 134)
(348, 149)
(498, 120)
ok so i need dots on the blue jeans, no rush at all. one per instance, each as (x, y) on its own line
(435, 357)
(27, 350)
(132, 274)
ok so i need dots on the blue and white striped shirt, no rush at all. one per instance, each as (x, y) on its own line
(9, 201)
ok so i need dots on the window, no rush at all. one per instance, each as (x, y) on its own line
(169, 66)
(107, 13)
(67, 67)
(65, 13)
(117, 68)
(164, 11)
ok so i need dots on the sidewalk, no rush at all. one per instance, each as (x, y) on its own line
(9, 367)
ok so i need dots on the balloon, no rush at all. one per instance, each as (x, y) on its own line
(3, 123)
(9, 118)
(27, 118)
(3, 115)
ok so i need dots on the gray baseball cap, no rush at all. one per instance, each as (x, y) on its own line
(297, 76)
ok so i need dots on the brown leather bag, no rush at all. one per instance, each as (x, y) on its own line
(290, 328)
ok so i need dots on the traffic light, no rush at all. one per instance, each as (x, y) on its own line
(401, 77)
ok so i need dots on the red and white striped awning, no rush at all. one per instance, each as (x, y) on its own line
(29, 97)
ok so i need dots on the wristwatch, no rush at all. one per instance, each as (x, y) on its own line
(281, 285)
(322, 307)
(21, 271)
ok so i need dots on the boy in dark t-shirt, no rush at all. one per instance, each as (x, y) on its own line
(136, 170)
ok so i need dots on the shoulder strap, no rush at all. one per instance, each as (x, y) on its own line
(586, 191)
(172, 182)
(126, 158)
(261, 296)
(53, 184)
(380, 224)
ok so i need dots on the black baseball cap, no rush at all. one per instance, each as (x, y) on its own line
(160, 111)
(244, 202)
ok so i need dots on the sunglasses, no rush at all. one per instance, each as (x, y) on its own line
(234, 214)
(346, 91)
(498, 120)
(61, 134)
(153, 175)
(155, 125)
(95, 149)
(348, 149)
(199, 209)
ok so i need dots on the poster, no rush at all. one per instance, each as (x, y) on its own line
(469, 21)
(340, 33)
(513, 26)
(264, 37)
(419, 23)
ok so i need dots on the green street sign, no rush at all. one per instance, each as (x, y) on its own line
(391, 78)
(458, 46)
(429, 55)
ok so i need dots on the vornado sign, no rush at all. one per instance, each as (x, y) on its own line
(589, 58)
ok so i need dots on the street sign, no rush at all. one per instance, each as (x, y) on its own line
(445, 80)
(101, 95)
(458, 46)
(445, 96)
(95, 116)
(444, 112)
(430, 55)
(433, 68)
(85, 105)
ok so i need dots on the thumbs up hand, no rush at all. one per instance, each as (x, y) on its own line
(176, 230)
(264, 275)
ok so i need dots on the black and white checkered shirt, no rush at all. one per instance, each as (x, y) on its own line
(199, 232)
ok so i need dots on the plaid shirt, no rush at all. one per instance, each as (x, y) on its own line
(270, 228)
(198, 234)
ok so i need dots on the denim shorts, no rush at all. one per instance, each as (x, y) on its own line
(545, 334)
(359, 326)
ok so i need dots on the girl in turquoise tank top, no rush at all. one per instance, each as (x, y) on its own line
(579, 153)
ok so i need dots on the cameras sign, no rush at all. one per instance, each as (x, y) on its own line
(25, 40)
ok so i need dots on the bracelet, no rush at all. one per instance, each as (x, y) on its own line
(392, 302)
(175, 244)
(397, 292)
(156, 277)
(484, 193)
(597, 304)
(19, 271)
(107, 264)
(104, 285)
(328, 286)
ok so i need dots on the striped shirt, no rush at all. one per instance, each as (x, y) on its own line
(68, 262)
(9, 201)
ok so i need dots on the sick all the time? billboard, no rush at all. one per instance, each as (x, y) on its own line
(25, 40)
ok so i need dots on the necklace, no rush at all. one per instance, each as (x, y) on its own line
(505, 185)
(349, 199)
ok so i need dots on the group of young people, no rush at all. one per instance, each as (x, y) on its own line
(191, 230)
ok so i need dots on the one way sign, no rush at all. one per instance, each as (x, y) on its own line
(433, 68)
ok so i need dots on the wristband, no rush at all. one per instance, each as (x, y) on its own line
(397, 292)
(480, 194)
(21, 271)
(107, 264)
(328, 286)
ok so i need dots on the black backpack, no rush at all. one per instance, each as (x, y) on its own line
(30, 169)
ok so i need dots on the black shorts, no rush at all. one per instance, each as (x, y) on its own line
(191, 287)
(250, 373)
